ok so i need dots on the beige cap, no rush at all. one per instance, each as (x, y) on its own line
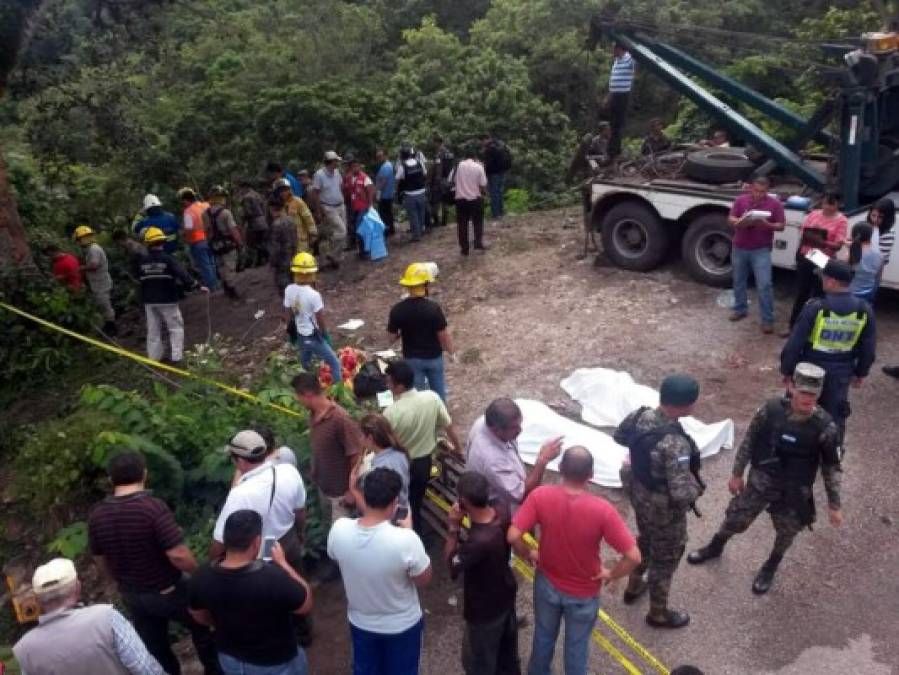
(809, 378)
(247, 444)
(332, 156)
(56, 574)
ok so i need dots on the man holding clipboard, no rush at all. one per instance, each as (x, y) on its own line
(755, 217)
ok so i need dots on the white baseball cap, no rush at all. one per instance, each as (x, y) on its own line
(56, 574)
(247, 444)
(331, 156)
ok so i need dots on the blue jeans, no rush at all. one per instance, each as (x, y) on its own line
(758, 261)
(416, 207)
(296, 666)
(315, 345)
(550, 606)
(429, 375)
(867, 296)
(384, 654)
(496, 182)
(205, 264)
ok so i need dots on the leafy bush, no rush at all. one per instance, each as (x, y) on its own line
(517, 201)
(181, 432)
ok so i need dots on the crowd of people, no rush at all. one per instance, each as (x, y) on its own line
(249, 606)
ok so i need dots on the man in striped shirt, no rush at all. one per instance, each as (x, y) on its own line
(134, 538)
(621, 79)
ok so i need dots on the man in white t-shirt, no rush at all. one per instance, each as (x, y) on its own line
(273, 489)
(382, 565)
(471, 186)
(305, 312)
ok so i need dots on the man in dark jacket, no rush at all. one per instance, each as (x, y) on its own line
(161, 280)
(837, 333)
(496, 163)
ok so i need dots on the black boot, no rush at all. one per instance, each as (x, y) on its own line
(765, 577)
(892, 371)
(231, 292)
(667, 618)
(636, 587)
(713, 549)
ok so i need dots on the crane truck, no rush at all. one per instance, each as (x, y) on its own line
(640, 219)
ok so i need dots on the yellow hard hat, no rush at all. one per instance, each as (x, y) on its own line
(153, 235)
(303, 263)
(82, 231)
(417, 274)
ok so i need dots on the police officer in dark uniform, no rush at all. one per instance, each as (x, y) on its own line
(662, 482)
(837, 333)
(788, 440)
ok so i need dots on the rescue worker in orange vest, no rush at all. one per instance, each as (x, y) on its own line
(195, 236)
(837, 333)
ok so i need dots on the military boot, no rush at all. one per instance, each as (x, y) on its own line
(712, 550)
(636, 587)
(667, 618)
(765, 577)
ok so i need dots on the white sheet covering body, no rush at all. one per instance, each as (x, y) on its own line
(606, 397)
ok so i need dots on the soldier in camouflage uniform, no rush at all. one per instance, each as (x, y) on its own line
(662, 483)
(787, 441)
(282, 244)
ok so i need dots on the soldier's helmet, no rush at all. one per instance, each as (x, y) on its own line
(809, 378)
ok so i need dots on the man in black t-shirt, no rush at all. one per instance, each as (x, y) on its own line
(251, 602)
(421, 324)
(490, 643)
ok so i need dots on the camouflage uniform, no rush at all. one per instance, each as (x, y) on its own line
(282, 248)
(661, 516)
(764, 489)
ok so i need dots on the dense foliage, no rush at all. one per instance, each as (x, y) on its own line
(181, 431)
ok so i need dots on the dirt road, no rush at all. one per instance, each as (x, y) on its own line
(529, 312)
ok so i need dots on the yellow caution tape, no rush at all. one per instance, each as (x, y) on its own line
(519, 564)
(149, 362)
(528, 573)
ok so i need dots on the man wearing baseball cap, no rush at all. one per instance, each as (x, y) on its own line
(787, 441)
(326, 200)
(274, 490)
(837, 333)
(78, 640)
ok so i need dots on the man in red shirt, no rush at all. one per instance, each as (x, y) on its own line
(65, 267)
(573, 523)
(359, 192)
(755, 217)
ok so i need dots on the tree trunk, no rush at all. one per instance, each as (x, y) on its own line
(14, 248)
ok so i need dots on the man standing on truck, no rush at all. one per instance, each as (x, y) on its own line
(621, 80)
(755, 217)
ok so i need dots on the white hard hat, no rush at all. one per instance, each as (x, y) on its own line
(150, 201)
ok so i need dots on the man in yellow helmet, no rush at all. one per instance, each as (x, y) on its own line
(305, 315)
(837, 333)
(95, 267)
(420, 322)
(162, 280)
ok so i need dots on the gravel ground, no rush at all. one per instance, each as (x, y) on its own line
(529, 312)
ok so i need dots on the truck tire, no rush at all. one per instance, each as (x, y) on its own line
(706, 248)
(634, 237)
(718, 165)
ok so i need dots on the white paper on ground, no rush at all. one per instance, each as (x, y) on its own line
(386, 354)
(541, 423)
(608, 396)
(352, 324)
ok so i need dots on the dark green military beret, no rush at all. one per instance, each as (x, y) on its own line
(679, 390)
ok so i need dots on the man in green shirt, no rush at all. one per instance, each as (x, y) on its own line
(417, 417)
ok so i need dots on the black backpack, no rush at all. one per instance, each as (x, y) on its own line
(369, 381)
(505, 155)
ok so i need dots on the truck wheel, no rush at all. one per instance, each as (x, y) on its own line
(706, 250)
(634, 237)
(715, 165)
